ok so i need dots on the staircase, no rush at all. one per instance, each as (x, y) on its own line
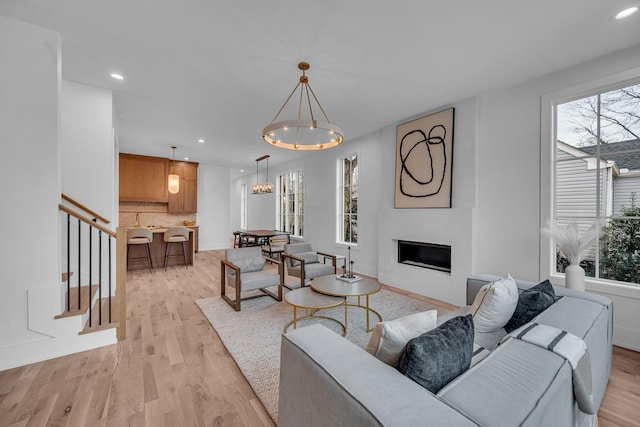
(88, 287)
(86, 309)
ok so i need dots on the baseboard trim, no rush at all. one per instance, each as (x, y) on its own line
(37, 351)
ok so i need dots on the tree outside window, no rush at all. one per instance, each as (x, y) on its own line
(348, 200)
(597, 178)
(290, 203)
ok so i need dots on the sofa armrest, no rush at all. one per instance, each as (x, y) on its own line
(325, 380)
(598, 299)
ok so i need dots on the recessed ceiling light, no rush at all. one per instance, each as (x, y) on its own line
(241, 170)
(186, 158)
(627, 12)
(201, 141)
(117, 76)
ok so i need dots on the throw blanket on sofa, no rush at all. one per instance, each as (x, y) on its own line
(571, 348)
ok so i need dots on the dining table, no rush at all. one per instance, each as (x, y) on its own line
(260, 237)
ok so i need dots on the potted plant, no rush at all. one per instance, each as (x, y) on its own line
(574, 247)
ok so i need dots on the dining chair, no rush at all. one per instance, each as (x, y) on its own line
(248, 239)
(237, 239)
(275, 245)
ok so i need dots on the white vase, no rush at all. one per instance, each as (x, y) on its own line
(574, 277)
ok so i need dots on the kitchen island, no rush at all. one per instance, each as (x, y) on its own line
(158, 247)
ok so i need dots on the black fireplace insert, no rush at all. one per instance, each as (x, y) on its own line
(426, 255)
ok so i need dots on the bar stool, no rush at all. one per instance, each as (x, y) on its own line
(140, 236)
(176, 235)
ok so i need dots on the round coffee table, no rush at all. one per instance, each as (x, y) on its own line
(331, 285)
(312, 301)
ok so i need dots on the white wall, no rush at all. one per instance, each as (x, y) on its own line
(513, 178)
(495, 219)
(32, 135)
(454, 226)
(320, 200)
(213, 201)
(30, 78)
(87, 153)
(87, 164)
(380, 225)
(261, 210)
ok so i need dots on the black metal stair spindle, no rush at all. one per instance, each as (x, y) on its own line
(109, 239)
(100, 277)
(79, 260)
(90, 270)
(68, 262)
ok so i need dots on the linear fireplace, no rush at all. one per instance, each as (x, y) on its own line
(426, 255)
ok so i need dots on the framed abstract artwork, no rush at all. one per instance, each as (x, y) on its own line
(424, 159)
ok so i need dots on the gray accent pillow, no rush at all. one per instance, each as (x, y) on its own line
(250, 264)
(531, 302)
(435, 358)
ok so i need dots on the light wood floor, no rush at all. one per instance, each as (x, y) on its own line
(172, 370)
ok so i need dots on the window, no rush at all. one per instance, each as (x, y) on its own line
(290, 203)
(243, 206)
(347, 195)
(597, 179)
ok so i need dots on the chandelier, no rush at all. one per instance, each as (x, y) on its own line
(266, 187)
(303, 134)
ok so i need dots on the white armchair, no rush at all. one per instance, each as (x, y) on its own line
(303, 261)
(243, 269)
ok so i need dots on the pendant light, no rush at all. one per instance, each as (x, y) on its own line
(266, 187)
(174, 180)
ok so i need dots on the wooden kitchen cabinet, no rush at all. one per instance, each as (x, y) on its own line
(186, 200)
(143, 178)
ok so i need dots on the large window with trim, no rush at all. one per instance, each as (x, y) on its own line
(290, 203)
(347, 200)
(597, 178)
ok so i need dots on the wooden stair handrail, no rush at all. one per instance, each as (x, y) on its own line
(86, 220)
(84, 208)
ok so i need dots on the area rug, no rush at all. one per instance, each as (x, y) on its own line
(253, 335)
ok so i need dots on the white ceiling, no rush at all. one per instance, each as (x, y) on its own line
(220, 70)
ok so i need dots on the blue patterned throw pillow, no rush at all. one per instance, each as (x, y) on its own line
(438, 356)
(531, 302)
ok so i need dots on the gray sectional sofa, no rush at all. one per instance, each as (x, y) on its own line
(325, 380)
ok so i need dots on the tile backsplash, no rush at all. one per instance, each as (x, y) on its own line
(151, 214)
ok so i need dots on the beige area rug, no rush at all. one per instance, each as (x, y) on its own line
(253, 335)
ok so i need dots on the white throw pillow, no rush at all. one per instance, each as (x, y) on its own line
(389, 338)
(494, 305)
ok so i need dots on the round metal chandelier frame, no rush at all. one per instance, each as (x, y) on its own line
(303, 134)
